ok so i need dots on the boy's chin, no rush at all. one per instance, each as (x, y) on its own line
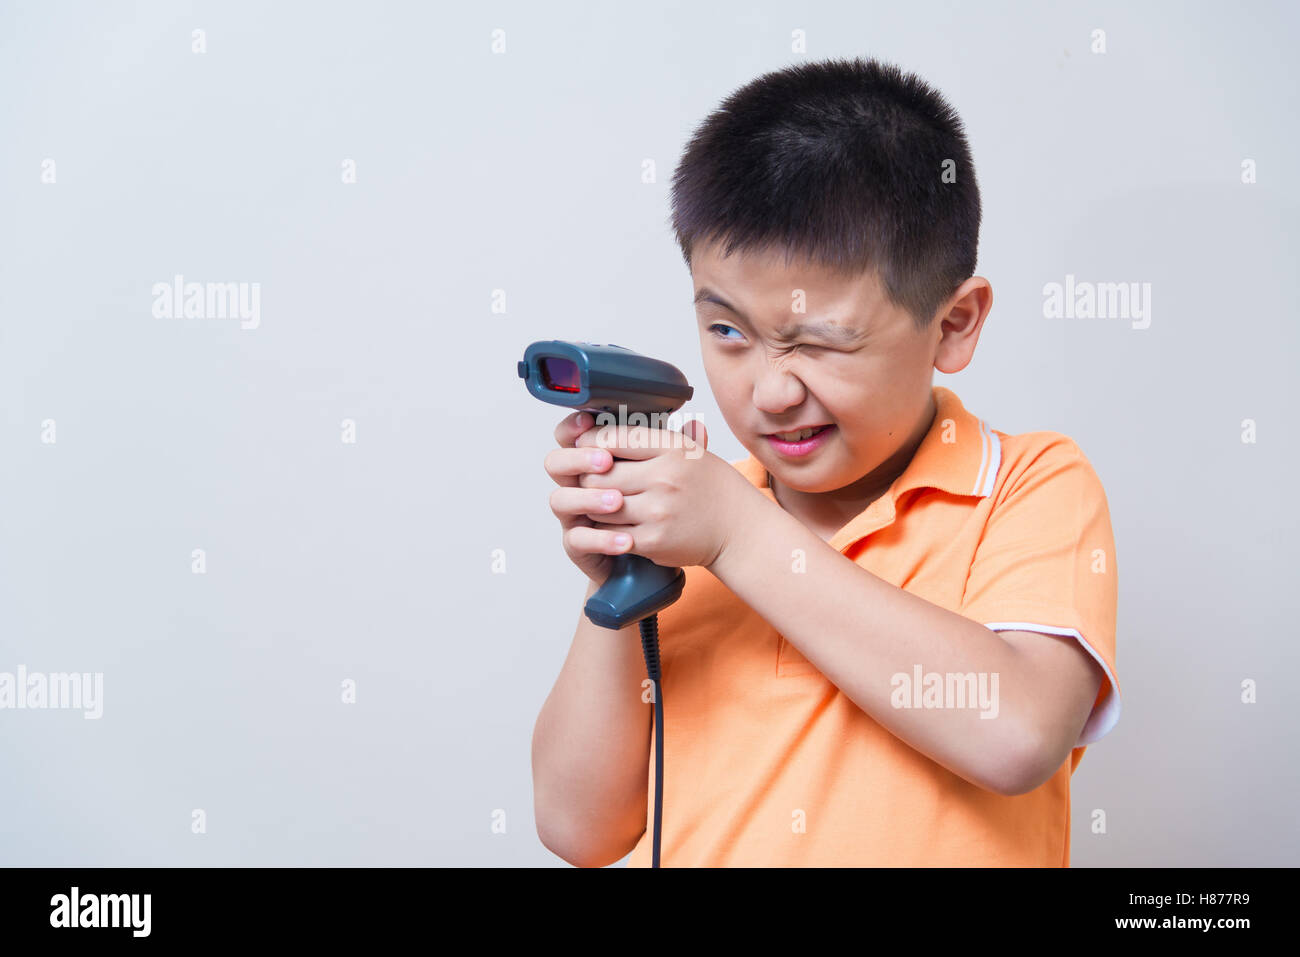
(812, 477)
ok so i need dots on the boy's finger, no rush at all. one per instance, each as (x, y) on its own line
(584, 538)
(572, 426)
(631, 442)
(565, 463)
(697, 433)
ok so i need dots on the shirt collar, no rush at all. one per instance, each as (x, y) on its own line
(960, 454)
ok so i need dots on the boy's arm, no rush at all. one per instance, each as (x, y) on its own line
(859, 630)
(591, 748)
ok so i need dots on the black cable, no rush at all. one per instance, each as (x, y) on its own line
(650, 649)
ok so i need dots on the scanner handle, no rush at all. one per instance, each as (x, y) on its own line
(636, 588)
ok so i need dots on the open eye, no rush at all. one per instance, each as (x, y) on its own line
(722, 336)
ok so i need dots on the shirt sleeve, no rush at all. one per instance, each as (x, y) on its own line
(1046, 563)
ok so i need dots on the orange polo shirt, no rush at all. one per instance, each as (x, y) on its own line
(766, 763)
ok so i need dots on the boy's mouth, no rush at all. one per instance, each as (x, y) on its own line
(799, 434)
(801, 442)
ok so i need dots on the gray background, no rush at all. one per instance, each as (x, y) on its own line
(522, 172)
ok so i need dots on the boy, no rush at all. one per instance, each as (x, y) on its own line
(897, 634)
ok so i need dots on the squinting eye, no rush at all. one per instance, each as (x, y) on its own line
(718, 325)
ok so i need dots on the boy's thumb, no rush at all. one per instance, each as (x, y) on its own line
(697, 433)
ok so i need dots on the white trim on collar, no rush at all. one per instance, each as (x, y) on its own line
(991, 455)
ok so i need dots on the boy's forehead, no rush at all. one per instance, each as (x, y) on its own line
(772, 269)
(765, 284)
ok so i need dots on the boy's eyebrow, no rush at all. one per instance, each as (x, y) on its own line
(827, 331)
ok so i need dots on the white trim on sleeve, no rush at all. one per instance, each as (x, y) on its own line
(1103, 718)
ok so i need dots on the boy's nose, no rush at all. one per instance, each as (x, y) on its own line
(776, 391)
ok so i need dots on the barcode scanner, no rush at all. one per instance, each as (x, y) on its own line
(599, 378)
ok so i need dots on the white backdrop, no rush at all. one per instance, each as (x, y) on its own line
(384, 179)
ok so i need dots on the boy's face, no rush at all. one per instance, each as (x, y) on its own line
(868, 374)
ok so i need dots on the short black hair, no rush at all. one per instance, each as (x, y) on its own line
(840, 161)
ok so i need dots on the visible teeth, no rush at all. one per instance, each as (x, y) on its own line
(795, 436)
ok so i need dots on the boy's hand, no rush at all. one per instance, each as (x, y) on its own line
(680, 501)
(588, 547)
